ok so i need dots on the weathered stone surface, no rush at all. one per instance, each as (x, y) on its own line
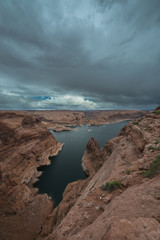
(23, 212)
(27, 223)
(90, 158)
(30, 121)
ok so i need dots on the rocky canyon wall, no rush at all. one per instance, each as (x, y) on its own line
(25, 144)
(130, 209)
(89, 210)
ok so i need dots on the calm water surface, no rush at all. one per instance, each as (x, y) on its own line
(66, 166)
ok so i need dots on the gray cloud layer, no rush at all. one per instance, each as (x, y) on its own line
(82, 54)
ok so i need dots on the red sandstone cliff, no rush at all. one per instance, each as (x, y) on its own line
(129, 212)
(25, 144)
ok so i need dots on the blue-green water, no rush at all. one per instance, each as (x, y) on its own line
(66, 166)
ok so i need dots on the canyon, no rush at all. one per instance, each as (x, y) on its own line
(87, 211)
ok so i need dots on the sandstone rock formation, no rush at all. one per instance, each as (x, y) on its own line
(91, 159)
(130, 212)
(86, 211)
(30, 121)
(23, 211)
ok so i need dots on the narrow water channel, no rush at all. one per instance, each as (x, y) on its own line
(66, 166)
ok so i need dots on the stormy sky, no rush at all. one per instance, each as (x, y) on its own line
(88, 54)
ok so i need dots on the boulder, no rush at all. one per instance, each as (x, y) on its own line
(30, 121)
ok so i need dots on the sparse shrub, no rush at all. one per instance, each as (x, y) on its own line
(128, 171)
(135, 123)
(156, 112)
(151, 148)
(154, 168)
(157, 141)
(111, 186)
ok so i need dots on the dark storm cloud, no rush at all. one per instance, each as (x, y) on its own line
(107, 51)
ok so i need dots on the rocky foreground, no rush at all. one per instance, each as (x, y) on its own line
(25, 144)
(119, 200)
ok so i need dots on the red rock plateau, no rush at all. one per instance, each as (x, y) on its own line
(132, 159)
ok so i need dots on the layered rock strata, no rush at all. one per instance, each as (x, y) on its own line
(25, 145)
(64, 119)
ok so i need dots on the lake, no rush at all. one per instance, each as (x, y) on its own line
(66, 166)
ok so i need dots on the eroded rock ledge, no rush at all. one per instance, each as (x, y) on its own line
(25, 145)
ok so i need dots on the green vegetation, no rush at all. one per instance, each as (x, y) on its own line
(154, 168)
(151, 148)
(128, 171)
(156, 112)
(135, 123)
(157, 141)
(111, 186)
